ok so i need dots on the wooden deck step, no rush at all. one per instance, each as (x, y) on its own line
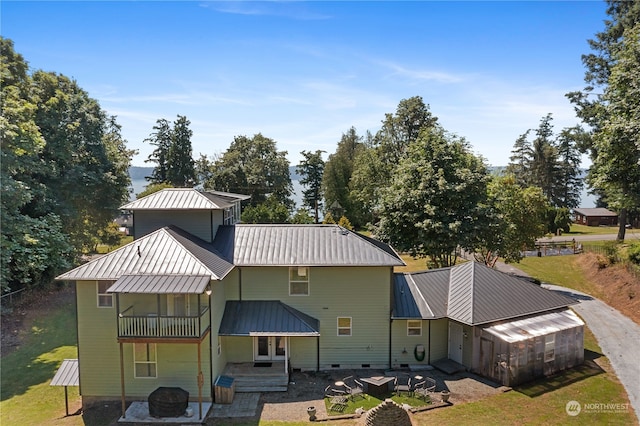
(261, 384)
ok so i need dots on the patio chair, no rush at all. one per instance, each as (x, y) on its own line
(337, 399)
(402, 385)
(355, 389)
(424, 388)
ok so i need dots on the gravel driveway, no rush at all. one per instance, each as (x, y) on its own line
(618, 337)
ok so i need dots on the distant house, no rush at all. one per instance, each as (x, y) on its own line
(198, 295)
(595, 217)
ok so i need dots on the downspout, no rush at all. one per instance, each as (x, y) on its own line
(240, 284)
(124, 404)
(390, 339)
(317, 353)
(429, 351)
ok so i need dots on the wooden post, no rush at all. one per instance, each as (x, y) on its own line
(124, 404)
(200, 382)
(66, 401)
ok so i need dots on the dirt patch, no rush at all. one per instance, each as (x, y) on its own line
(18, 317)
(617, 287)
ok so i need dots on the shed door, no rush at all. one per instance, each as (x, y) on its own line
(455, 342)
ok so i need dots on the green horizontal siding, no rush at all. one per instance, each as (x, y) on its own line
(98, 352)
(196, 222)
(362, 293)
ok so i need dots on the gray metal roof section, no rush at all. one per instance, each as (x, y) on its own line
(293, 245)
(67, 374)
(167, 251)
(539, 325)
(185, 199)
(266, 318)
(473, 294)
(161, 284)
(421, 294)
(596, 211)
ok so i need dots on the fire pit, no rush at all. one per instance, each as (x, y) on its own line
(168, 402)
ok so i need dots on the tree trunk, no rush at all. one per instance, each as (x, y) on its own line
(622, 222)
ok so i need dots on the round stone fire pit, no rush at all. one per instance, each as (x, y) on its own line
(168, 402)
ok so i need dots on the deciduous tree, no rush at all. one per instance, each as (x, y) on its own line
(435, 201)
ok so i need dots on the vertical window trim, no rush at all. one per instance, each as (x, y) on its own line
(419, 328)
(104, 295)
(136, 362)
(350, 328)
(292, 281)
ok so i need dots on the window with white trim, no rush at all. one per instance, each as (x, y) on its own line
(344, 326)
(145, 361)
(105, 300)
(299, 281)
(414, 328)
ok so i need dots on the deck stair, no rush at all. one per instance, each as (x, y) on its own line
(248, 378)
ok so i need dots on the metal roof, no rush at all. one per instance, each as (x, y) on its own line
(167, 251)
(410, 290)
(308, 245)
(540, 325)
(597, 211)
(165, 284)
(473, 294)
(67, 374)
(185, 199)
(266, 317)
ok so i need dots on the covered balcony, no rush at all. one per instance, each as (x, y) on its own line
(167, 308)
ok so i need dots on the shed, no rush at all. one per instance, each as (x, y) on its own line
(595, 217)
(517, 351)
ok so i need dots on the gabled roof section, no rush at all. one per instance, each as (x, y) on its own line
(167, 251)
(185, 199)
(266, 317)
(596, 211)
(297, 245)
(471, 293)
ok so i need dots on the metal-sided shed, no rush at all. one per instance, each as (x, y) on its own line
(518, 351)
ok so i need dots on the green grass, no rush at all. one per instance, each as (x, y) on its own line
(598, 230)
(25, 396)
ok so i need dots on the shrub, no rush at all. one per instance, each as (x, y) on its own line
(633, 253)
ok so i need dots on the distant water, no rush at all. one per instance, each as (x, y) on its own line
(587, 200)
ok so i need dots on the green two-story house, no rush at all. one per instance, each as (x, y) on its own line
(197, 295)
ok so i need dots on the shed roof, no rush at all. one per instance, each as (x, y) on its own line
(295, 245)
(167, 251)
(598, 211)
(161, 284)
(185, 199)
(266, 317)
(540, 325)
(67, 374)
(473, 294)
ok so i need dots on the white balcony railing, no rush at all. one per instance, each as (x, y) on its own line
(159, 326)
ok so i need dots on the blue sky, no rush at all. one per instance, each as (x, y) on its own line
(303, 73)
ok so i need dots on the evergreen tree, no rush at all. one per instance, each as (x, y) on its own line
(181, 170)
(311, 169)
(161, 139)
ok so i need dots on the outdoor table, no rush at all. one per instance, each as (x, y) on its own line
(377, 386)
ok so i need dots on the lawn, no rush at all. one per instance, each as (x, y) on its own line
(26, 397)
(597, 230)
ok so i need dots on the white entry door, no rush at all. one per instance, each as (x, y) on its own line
(269, 348)
(455, 342)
